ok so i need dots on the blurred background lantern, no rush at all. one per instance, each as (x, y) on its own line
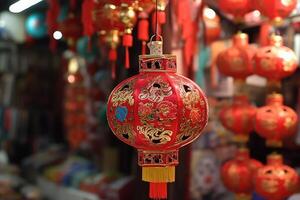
(276, 10)
(212, 25)
(237, 174)
(275, 61)
(276, 181)
(275, 121)
(236, 8)
(157, 112)
(236, 61)
(35, 25)
(239, 117)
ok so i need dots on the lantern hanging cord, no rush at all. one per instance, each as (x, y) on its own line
(156, 17)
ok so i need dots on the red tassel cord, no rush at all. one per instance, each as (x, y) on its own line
(52, 15)
(113, 58)
(143, 33)
(87, 19)
(127, 42)
(158, 190)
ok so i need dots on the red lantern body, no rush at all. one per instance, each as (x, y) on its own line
(237, 174)
(275, 61)
(275, 121)
(236, 61)
(276, 9)
(212, 25)
(276, 181)
(157, 112)
(236, 8)
(239, 117)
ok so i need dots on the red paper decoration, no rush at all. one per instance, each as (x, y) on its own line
(236, 61)
(237, 174)
(275, 61)
(157, 112)
(276, 181)
(236, 8)
(276, 10)
(239, 118)
(275, 121)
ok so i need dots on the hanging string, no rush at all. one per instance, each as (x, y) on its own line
(156, 18)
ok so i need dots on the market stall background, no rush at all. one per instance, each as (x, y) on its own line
(54, 94)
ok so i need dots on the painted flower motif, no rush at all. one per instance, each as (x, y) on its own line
(166, 110)
(146, 111)
(195, 115)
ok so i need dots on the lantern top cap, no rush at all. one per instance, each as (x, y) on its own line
(276, 40)
(156, 61)
(241, 39)
(274, 98)
(275, 159)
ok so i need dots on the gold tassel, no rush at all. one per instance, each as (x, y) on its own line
(158, 174)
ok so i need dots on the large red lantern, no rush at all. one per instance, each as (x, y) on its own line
(276, 10)
(275, 61)
(237, 174)
(239, 117)
(237, 8)
(275, 121)
(276, 181)
(236, 61)
(157, 112)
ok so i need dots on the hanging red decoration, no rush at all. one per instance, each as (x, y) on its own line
(276, 181)
(212, 25)
(236, 61)
(71, 29)
(157, 112)
(237, 174)
(160, 15)
(275, 121)
(128, 18)
(275, 61)
(239, 117)
(276, 10)
(52, 17)
(236, 8)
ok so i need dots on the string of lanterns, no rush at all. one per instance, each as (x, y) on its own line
(274, 121)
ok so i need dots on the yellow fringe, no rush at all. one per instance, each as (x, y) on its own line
(242, 197)
(158, 174)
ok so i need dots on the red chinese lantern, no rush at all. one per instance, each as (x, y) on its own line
(237, 174)
(276, 181)
(275, 61)
(236, 8)
(276, 10)
(71, 30)
(275, 121)
(157, 112)
(238, 117)
(236, 61)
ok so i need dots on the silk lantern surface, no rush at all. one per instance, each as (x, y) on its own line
(276, 181)
(237, 174)
(157, 112)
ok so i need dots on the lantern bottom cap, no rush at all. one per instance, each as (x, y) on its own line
(274, 143)
(242, 196)
(241, 138)
(158, 174)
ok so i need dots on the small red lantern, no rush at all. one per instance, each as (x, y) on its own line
(71, 29)
(237, 174)
(212, 25)
(276, 181)
(157, 112)
(238, 117)
(275, 121)
(236, 61)
(275, 61)
(236, 8)
(276, 10)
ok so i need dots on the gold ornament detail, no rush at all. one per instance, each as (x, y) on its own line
(155, 135)
(124, 94)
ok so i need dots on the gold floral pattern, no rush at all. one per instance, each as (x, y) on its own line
(122, 95)
(187, 130)
(156, 90)
(125, 131)
(155, 135)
